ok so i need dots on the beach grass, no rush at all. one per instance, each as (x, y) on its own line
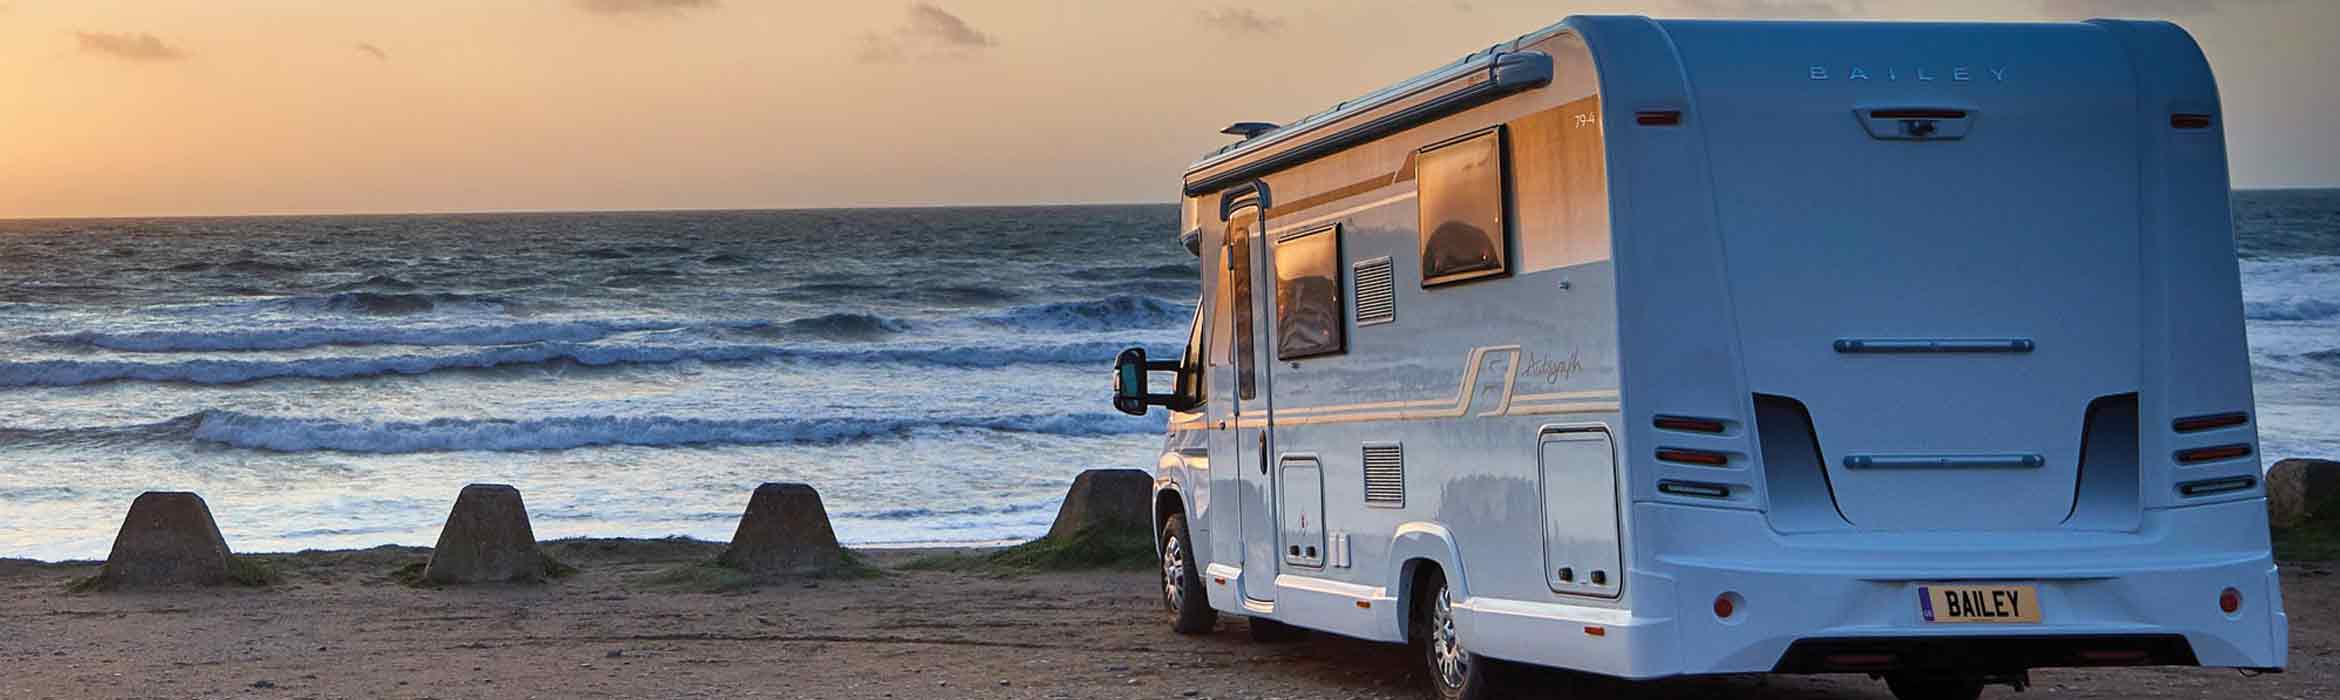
(715, 577)
(1092, 548)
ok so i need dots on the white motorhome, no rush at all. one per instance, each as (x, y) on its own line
(1650, 348)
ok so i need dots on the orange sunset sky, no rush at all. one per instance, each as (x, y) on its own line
(204, 107)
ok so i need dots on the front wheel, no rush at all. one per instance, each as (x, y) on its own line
(1182, 589)
(1913, 686)
(1455, 672)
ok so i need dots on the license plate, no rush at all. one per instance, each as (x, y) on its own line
(1997, 604)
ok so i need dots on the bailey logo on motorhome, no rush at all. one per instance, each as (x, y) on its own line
(1923, 74)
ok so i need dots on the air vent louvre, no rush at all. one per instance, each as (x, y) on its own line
(1376, 292)
(1385, 475)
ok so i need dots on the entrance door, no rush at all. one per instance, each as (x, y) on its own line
(1245, 254)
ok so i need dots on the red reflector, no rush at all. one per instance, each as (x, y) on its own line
(2205, 454)
(2198, 423)
(1597, 631)
(1658, 118)
(1695, 425)
(1723, 608)
(1918, 114)
(2190, 121)
(2230, 600)
(1698, 457)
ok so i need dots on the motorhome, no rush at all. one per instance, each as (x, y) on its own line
(1652, 348)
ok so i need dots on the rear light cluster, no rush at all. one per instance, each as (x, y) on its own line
(2211, 454)
(2206, 487)
(1698, 457)
(1694, 488)
(2214, 421)
(1688, 424)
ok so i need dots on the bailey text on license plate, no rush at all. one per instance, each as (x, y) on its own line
(2002, 604)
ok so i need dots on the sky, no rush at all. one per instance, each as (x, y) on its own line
(224, 107)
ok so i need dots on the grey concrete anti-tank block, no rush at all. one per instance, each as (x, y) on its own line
(785, 531)
(1109, 499)
(487, 540)
(169, 539)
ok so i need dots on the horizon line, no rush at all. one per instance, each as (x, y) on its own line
(714, 210)
(527, 212)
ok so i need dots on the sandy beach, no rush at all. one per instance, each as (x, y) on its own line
(341, 625)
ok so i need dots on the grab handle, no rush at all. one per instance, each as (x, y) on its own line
(1916, 123)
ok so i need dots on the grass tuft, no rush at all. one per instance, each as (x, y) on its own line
(252, 573)
(1093, 548)
(714, 577)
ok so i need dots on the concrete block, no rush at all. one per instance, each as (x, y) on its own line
(1109, 499)
(785, 531)
(169, 539)
(487, 540)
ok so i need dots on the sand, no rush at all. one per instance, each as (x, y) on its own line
(339, 625)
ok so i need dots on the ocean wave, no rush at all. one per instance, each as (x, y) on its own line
(213, 370)
(386, 303)
(2294, 309)
(844, 326)
(297, 338)
(284, 434)
(2291, 289)
(1116, 312)
(377, 283)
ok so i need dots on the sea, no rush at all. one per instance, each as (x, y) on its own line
(938, 374)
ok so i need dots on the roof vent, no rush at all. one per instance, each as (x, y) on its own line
(1248, 129)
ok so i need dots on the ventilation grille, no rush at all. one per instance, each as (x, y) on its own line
(1385, 475)
(1376, 292)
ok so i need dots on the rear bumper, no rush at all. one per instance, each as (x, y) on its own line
(2108, 599)
(2143, 598)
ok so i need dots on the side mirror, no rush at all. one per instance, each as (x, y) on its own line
(1129, 382)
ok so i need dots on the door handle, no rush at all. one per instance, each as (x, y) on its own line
(1263, 452)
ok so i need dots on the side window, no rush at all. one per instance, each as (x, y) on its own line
(1308, 294)
(1240, 299)
(1463, 215)
(1191, 386)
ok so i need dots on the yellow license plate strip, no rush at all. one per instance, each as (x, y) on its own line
(1958, 603)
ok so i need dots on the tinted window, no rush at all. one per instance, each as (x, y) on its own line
(1190, 367)
(1240, 299)
(1308, 294)
(1462, 209)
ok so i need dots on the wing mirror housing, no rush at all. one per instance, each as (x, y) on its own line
(1130, 393)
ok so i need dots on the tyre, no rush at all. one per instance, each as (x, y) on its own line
(1455, 673)
(1182, 588)
(1913, 686)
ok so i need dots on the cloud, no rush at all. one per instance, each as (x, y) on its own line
(1772, 9)
(372, 50)
(928, 33)
(643, 7)
(129, 47)
(1243, 21)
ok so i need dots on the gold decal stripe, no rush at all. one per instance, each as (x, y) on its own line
(1512, 404)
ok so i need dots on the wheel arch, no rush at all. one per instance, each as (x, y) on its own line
(1418, 548)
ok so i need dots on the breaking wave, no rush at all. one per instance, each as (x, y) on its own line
(1116, 312)
(281, 434)
(246, 339)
